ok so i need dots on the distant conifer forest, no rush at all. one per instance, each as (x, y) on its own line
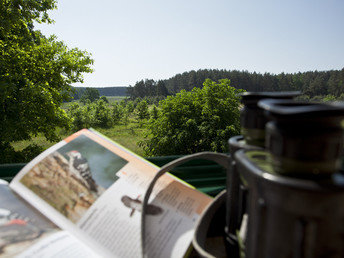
(312, 84)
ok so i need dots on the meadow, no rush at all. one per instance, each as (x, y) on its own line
(127, 134)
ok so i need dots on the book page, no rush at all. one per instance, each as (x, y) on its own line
(25, 232)
(93, 187)
(171, 216)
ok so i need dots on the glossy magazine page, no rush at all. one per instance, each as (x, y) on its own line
(94, 187)
(25, 232)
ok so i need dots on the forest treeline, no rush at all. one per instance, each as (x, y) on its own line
(105, 91)
(311, 84)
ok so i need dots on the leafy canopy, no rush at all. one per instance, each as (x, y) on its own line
(90, 94)
(199, 120)
(36, 72)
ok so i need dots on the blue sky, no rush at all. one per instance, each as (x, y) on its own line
(134, 40)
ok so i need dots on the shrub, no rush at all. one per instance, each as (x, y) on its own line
(154, 112)
(200, 120)
(102, 114)
(117, 113)
(142, 110)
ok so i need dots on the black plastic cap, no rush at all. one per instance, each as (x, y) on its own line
(291, 110)
(304, 138)
(252, 116)
(252, 98)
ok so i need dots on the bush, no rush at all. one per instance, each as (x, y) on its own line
(117, 113)
(130, 107)
(329, 98)
(102, 114)
(200, 120)
(90, 94)
(81, 116)
(305, 98)
(154, 112)
(104, 99)
(30, 152)
(96, 114)
(9, 155)
(142, 110)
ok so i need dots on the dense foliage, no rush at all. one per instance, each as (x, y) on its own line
(142, 110)
(198, 120)
(311, 84)
(35, 73)
(96, 114)
(90, 94)
(101, 114)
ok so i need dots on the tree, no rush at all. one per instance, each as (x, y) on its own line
(161, 89)
(82, 116)
(142, 110)
(102, 114)
(104, 99)
(154, 112)
(130, 106)
(36, 73)
(309, 83)
(90, 94)
(117, 113)
(200, 120)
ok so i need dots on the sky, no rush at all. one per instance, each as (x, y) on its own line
(131, 40)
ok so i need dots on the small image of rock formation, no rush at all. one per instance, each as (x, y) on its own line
(65, 183)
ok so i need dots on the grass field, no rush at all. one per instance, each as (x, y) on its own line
(127, 135)
(111, 99)
(39, 140)
(115, 99)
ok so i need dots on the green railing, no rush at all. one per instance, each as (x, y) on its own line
(206, 176)
(8, 171)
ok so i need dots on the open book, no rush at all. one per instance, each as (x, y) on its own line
(82, 198)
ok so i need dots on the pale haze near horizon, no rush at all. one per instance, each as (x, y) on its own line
(134, 40)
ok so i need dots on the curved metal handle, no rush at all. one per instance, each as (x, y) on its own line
(221, 159)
